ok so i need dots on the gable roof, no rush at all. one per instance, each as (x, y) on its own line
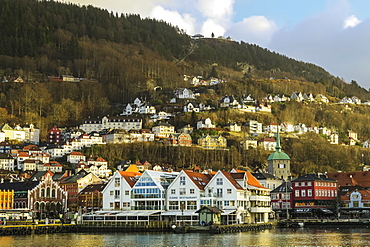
(232, 180)
(364, 193)
(351, 178)
(92, 188)
(130, 177)
(251, 180)
(199, 179)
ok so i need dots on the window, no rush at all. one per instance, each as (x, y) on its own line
(281, 165)
(182, 181)
(308, 183)
(205, 202)
(303, 192)
(219, 192)
(226, 203)
(309, 192)
(173, 205)
(173, 191)
(303, 184)
(117, 182)
(116, 194)
(111, 192)
(127, 192)
(297, 193)
(111, 204)
(182, 191)
(125, 204)
(192, 191)
(191, 205)
(228, 191)
(219, 181)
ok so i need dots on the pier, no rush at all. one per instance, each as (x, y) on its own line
(36, 229)
(322, 223)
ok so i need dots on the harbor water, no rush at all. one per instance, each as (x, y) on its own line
(273, 237)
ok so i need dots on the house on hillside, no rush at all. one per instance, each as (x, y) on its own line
(212, 142)
(267, 143)
(229, 101)
(179, 139)
(205, 123)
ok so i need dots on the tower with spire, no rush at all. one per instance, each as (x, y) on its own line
(279, 162)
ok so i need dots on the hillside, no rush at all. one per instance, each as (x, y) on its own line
(118, 57)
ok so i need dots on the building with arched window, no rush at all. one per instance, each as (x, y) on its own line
(48, 199)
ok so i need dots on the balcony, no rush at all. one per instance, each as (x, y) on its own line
(260, 209)
(259, 198)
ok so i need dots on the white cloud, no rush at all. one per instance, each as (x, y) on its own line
(216, 9)
(255, 29)
(185, 21)
(351, 21)
(209, 27)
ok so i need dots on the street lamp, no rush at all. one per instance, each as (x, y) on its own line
(286, 199)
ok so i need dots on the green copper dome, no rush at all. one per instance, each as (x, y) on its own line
(278, 154)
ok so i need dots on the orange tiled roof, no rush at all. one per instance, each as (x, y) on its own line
(229, 176)
(76, 153)
(132, 168)
(23, 154)
(364, 193)
(351, 178)
(252, 180)
(130, 177)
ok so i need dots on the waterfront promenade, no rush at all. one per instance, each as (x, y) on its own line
(324, 222)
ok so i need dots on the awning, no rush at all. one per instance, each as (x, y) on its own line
(179, 213)
(229, 212)
(125, 213)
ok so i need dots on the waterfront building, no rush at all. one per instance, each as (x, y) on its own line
(117, 192)
(316, 193)
(281, 199)
(259, 206)
(352, 203)
(47, 199)
(75, 183)
(184, 196)
(149, 192)
(91, 198)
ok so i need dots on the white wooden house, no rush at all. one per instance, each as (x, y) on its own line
(117, 193)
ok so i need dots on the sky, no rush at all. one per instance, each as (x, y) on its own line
(333, 34)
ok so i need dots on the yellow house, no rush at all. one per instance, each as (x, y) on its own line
(212, 142)
(6, 199)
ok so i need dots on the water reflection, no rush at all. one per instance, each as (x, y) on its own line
(274, 237)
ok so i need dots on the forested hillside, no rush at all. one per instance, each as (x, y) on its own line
(122, 56)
